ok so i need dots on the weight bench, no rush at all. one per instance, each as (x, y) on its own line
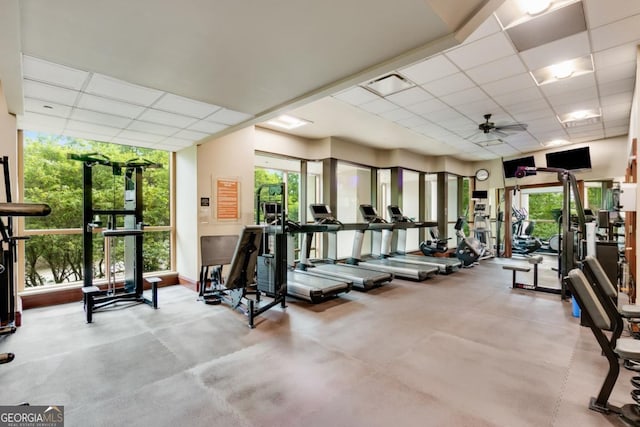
(599, 319)
(535, 260)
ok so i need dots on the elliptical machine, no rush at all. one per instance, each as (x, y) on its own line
(522, 241)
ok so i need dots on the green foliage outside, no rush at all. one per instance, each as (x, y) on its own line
(542, 205)
(49, 177)
(270, 176)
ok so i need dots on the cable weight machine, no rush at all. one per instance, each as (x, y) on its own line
(132, 232)
(573, 243)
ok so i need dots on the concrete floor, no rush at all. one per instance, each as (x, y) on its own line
(458, 350)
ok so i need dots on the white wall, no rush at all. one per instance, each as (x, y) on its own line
(186, 220)
(8, 144)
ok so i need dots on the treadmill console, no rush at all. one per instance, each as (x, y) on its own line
(396, 214)
(370, 215)
(322, 214)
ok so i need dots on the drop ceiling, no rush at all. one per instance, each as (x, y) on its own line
(166, 74)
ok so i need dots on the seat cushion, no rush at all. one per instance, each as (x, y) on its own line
(630, 310)
(628, 348)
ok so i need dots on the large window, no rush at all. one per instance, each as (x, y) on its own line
(53, 253)
(411, 206)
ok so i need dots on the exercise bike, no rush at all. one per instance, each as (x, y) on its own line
(436, 246)
(469, 250)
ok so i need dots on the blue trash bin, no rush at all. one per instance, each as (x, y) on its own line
(575, 308)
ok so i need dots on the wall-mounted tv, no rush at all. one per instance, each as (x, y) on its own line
(578, 158)
(510, 166)
(479, 194)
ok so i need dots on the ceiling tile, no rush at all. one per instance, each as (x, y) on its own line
(109, 106)
(521, 139)
(444, 115)
(153, 128)
(616, 111)
(509, 84)
(626, 70)
(497, 70)
(526, 116)
(453, 83)
(529, 107)
(51, 93)
(378, 106)
(478, 108)
(617, 33)
(397, 114)
(487, 28)
(228, 117)
(569, 85)
(185, 106)
(428, 70)
(427, 106)
(465, 96)
(615, 55)
(545, 124)
(617, 86)
(517, 97)
(118, 89)
(99, 118)
(619, 98)
(140, 136)
(617, 123)
(481, 51)
(189, 135)
(503, 150)
(618, 131)
(581, 99)
(409, 96)
(91, 136)
(46, 107)
(413, 122)
(207, 127)
(164, 118)
(36, 121)
(132, 142)
(356, 96)
(89, 128)
(575, 46)
(604, 12)
(55, 74)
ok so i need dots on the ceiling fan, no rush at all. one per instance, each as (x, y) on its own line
(489, 129)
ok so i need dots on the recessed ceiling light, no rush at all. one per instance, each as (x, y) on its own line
(388, 85)
(579, 118)
(563, 70)
(535, 7)
(288, 122)
(555, 142)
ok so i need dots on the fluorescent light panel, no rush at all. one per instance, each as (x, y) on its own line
(288, 122)
(516, 12)
(580, 118)
(563, 70)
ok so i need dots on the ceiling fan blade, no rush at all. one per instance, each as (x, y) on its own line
(512, 127)
(496, 131)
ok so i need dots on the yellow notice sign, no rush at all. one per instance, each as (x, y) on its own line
(228, 194)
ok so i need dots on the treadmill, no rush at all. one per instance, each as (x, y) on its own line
(300, 284)
(382, 233)
(401, 224)
(361, 278)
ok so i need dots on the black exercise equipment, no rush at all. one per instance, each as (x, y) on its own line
(9, 243)
(522, 241)
(469, 250)
(535, 261)
(598, 318)
(435, 246)
(573, 247)
(95, 298)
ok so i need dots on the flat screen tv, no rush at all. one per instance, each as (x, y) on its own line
(480, 194)
(578, 158)
(510, 166)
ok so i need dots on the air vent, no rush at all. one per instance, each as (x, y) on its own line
(388, 85)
